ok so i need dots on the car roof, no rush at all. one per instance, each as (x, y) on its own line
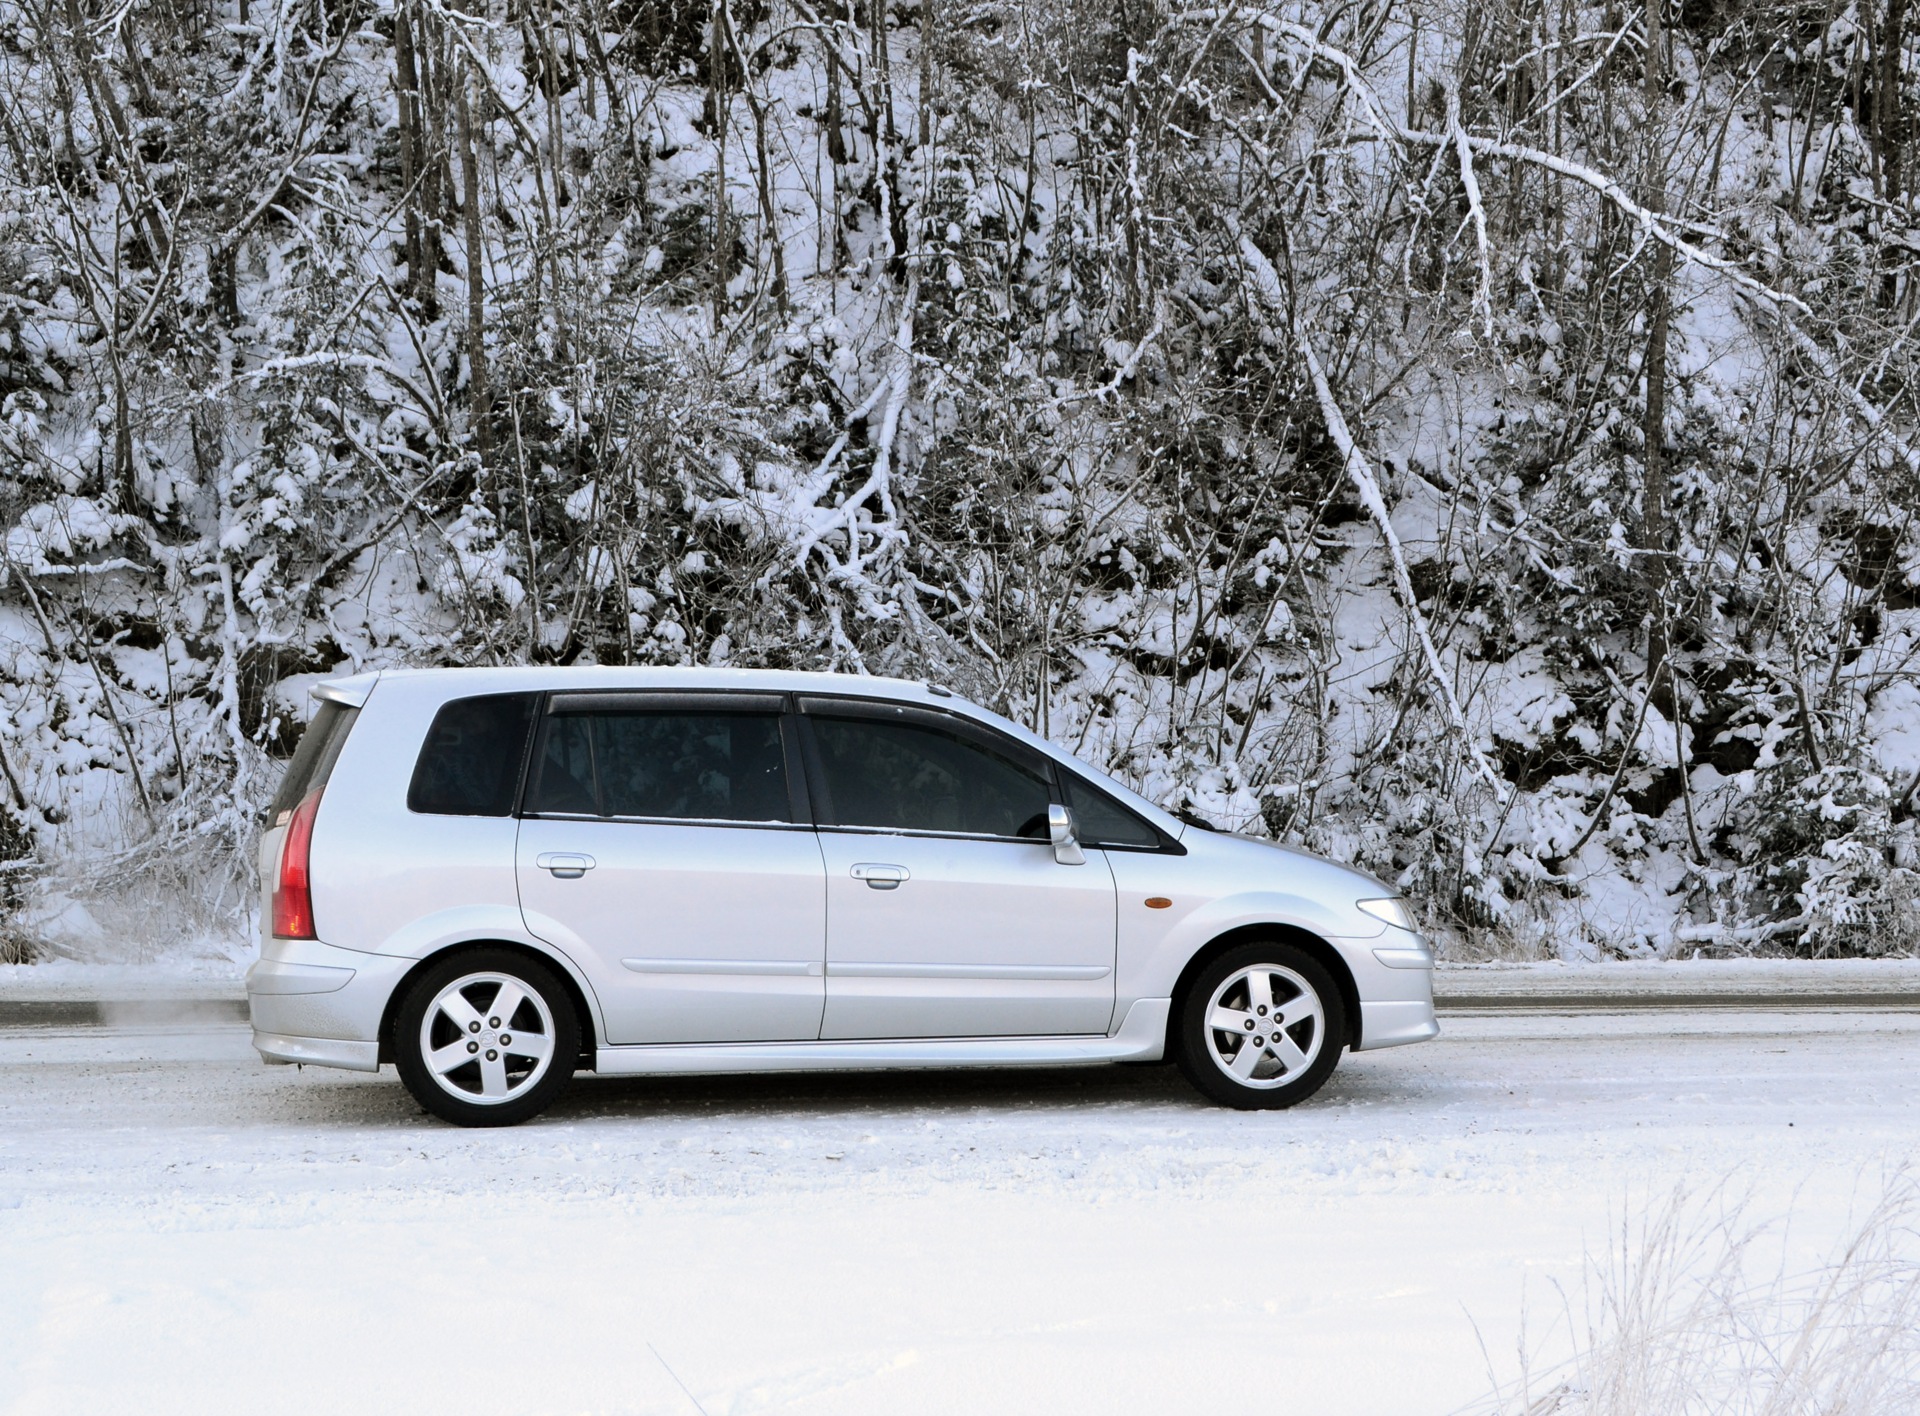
(354, 691)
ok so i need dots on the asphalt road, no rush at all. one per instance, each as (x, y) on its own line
(1551, 1062)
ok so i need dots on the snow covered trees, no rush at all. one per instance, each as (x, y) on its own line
(1037, 345)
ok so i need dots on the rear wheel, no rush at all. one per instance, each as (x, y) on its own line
(1261, 1027)
(486, 1038)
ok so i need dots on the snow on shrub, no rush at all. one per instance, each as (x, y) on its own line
(1258, 416)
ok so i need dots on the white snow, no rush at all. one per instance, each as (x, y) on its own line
(184, 1230)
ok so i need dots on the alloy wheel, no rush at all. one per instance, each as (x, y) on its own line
(487, 1038)
(1265, 1025)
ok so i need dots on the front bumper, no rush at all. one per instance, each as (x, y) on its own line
(1394, 1024)
(316, 1003)
(1394, 974)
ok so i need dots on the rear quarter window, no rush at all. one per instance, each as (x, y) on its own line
(470, 763)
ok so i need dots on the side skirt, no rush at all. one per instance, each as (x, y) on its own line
(1142, 1038)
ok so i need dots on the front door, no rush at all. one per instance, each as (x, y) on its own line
(947, 914)
(662, 847)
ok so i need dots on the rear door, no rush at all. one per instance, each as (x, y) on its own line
(947, 914)
(664, 843)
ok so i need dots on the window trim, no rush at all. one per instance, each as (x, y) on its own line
(942, 719)
(793, 743)
(664, 700)
(724, 823)
(569, 702)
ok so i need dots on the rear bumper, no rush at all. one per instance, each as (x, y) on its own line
(319, 1004)
(317, 1051)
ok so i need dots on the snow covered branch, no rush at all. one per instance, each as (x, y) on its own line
(917, 339)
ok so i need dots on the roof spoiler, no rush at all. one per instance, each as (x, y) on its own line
(347, 692)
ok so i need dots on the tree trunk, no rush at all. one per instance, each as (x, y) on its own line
(413, 176)
(717, 95)
(887, 156)
(1654, 531)
(770, 238)
(836, 117)
(1889, 99)
(480, 392)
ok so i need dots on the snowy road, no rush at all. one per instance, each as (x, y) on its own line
(182, 1229)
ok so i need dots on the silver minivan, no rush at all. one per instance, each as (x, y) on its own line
(492, 878)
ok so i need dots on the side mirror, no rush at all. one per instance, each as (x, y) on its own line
(1065, 837)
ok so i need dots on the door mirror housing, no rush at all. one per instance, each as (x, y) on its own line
(1065, 836)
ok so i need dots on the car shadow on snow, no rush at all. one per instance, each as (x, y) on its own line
(362, 1101)
(852, 1093)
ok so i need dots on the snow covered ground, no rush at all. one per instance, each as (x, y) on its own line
(184, 1230)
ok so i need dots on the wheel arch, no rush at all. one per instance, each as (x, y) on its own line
(1323, 953)
(576, 994)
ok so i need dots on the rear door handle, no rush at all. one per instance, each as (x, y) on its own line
(565, 865)
(881, 877)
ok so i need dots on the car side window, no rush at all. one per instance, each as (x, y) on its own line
(662, 765)
(902, 775)
(1102, 821)
(469, 764)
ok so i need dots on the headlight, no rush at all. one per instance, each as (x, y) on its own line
(1394, 911)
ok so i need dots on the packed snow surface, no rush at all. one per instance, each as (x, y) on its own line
(184, 1230)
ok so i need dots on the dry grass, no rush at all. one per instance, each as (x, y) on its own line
(1688, 1318)
(159, 899)
(16, 946)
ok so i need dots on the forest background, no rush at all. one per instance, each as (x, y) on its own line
(1475, 439)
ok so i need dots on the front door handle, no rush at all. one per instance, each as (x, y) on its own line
(565, 865)
(881, 877)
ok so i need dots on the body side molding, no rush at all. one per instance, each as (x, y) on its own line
(1011, 971)
(772, 968)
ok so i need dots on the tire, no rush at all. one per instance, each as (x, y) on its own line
(511, 1066)
(1228, 990)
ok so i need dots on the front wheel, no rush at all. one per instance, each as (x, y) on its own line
(486, 1038)
(1261, 1027)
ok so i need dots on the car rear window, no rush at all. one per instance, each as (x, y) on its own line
(470, 762)
(313, 760)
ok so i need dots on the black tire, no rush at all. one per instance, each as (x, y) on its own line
(506, 1082)
(1288, 1065)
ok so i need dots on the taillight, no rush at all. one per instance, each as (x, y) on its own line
(293, 892)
